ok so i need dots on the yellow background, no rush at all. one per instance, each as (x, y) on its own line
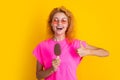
(23, 26)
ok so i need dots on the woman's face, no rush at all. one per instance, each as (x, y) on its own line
(59, 23)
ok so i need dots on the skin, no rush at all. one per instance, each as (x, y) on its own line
(60, 20)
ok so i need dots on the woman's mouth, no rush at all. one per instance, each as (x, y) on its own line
(60, 28)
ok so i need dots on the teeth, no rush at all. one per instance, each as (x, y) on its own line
(59, 28)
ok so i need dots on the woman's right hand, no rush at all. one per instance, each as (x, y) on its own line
(56, 63)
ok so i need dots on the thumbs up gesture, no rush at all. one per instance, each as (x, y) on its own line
(82, 51)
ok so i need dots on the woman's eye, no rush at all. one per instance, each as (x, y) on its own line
(64, 21)
(55, 21)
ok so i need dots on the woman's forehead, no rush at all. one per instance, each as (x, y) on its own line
(59, 15)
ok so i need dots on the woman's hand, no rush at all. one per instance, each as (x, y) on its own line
(56, 63)
(91, 50)
(82, 51)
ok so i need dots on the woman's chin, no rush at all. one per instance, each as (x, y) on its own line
(60, 33)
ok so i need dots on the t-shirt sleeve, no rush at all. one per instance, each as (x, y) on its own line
(37, 52)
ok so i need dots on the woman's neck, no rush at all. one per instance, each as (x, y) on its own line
(59, 37)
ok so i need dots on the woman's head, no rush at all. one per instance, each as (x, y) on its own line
(60, 21)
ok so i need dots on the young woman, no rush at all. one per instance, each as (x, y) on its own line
(51, 67)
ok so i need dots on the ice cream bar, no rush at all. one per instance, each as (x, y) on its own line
(57, 49)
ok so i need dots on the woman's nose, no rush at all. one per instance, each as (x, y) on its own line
(59, 22)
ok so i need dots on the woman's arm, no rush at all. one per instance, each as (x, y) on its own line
(40, 73)
(91, 50)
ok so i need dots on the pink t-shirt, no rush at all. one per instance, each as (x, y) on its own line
(44, 53)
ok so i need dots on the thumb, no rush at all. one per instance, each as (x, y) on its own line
(81, 44)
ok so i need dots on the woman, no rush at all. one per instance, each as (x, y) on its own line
(51, 67)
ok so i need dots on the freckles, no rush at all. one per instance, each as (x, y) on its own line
(54, 24)
(63, 22)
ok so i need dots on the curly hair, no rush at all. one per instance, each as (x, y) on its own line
(69, 32)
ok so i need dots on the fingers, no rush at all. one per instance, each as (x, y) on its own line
(81, 47)
(82, 50)
(56, 63)
(57, 60)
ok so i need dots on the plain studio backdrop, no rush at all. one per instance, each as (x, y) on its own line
(23, 26)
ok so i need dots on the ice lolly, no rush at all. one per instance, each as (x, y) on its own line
(57, 49)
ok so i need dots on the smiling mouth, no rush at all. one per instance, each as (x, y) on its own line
(59, 28)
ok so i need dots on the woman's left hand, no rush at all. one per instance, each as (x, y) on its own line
(82, 51)
(91, 50)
